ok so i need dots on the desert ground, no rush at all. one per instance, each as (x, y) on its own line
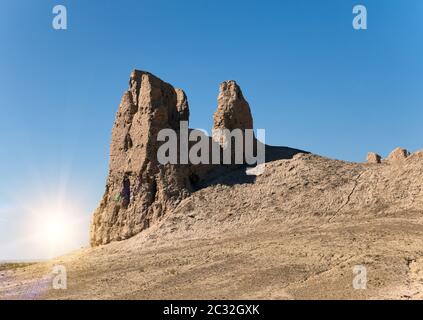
(295, 232)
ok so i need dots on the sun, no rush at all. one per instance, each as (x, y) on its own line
(53, 227)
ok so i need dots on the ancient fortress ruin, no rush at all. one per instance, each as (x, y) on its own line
(139, 189)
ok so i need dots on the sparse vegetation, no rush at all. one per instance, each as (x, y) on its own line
(14, 265)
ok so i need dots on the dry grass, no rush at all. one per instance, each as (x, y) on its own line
(14, 265)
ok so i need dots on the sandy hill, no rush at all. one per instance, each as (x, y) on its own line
(204, 232)
(295, 232)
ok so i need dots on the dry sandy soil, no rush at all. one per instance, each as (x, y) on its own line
(295, 232)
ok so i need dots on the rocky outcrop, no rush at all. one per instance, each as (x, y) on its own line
(373, 158)
(233, 111)
(140, 190)
(398, 155)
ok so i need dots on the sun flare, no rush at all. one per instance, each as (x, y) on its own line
(53, 227)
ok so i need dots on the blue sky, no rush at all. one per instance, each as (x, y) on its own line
(312, 81)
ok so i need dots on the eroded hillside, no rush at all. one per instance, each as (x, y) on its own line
(295, 232)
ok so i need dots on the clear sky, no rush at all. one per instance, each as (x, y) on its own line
(312, 81)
